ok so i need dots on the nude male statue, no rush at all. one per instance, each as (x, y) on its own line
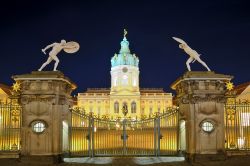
(69, 47)
(194, 56)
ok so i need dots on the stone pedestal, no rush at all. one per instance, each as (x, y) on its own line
(45, 98)
(201, 98)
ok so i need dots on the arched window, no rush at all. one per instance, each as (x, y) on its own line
(150, 111)
(116, 107)
(133, 107)
(99, 111)
(115, 81)
(142, 111)
(134, 82)
(124, 80)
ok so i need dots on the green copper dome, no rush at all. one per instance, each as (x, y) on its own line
(124, 57)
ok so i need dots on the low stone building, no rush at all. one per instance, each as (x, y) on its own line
(5, 92)
(243, 92)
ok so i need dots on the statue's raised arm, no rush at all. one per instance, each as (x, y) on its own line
(69, 47)
(194, 56)
(47, 47)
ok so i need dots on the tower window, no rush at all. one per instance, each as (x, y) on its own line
(134, 82)
(116, 107)
(125, 80)
(133, 107)
(115, 81)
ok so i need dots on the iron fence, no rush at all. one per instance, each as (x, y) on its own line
(237, 126)
(92, 136)
(10, 122)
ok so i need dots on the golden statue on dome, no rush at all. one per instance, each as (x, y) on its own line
(125, 33)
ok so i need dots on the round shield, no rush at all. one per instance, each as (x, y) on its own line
(71, 47)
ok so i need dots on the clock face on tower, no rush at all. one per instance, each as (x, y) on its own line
(124, 69)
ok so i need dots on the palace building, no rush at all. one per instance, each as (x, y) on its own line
(125, 91)
(5, 92)
(243, 92)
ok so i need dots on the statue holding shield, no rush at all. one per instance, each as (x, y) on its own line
(68, 47)
(193, 55)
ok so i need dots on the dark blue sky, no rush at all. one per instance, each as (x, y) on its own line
(217, 29)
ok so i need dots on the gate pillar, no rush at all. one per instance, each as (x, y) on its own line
(201, 97)
(45, 98)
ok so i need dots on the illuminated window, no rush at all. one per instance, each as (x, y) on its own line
(115, 81)
(150, 111)
(38, 126)
(124, 80)
(134, 82)
(99, 111)
(245, 119)
(142, 110)
(116, 107)
(133, 107)
(207, 126)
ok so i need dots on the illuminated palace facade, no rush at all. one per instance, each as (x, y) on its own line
(124, 91)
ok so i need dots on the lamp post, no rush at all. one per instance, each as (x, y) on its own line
(124, 136)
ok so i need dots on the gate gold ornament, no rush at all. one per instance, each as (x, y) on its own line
(229, 86)
(16, 87)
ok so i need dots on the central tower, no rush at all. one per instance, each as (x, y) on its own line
(125, 94)
(124, 69)
(125, 89)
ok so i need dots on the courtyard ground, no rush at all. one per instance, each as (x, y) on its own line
(143, 161)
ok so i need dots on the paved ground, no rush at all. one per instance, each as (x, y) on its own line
(126, 161)
(143, 161)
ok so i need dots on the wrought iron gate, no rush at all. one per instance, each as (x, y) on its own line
(10, 122)
(237, 126)
(92, 136)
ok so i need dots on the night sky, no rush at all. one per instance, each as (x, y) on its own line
(217, 29)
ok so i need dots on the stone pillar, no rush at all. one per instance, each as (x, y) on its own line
(201, 98)
(45, 98)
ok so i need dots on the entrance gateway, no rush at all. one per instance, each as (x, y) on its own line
(92, 136)
(48, 128)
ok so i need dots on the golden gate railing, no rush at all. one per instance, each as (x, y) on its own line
(237, 126)
(169, 125)
(80, 134)
(10, 122)
(92, 136)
